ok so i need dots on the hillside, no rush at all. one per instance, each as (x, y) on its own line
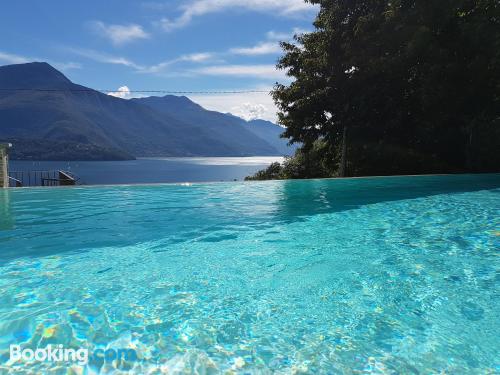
(240, 132)
(271, 133)
(65, 121)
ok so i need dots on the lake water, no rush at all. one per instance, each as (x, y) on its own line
(154, 170)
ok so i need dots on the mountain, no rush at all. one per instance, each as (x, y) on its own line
(61, 120)
(225, 126)
(271, 133)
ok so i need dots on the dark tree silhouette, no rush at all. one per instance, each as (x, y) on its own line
(394, 87)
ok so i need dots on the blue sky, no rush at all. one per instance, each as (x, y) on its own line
(188, 45)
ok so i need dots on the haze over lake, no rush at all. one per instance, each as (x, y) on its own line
(154, 170)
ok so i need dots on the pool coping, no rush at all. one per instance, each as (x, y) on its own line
(188, 183)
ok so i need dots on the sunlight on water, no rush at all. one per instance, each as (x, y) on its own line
(249, 160)
(382, 275)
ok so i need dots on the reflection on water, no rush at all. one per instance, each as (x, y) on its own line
(309, 197)
(249, 160)
(6, 218)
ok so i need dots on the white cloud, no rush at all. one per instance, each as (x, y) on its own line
(263, 71)
(9, 58)
(196, 8)
(263, 48)
(278, 36)
(119, 34)
(250, 111)
(245, 105)
(122, 92)
(192, 58)
(256, 71)
(67, 66)
(285, 36)
(156, 68)
(197, 57)
(269, 47)
(105, 58)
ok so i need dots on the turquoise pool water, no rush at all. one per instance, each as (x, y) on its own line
(377, 275)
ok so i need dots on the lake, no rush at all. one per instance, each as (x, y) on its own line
(154, 170)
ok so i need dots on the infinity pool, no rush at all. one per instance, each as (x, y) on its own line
(374, 275)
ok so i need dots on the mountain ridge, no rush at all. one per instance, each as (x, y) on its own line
(67, 118)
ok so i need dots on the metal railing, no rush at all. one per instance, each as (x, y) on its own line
(41, 178)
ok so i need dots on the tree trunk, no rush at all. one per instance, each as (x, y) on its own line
(343, 160)
(469, 165)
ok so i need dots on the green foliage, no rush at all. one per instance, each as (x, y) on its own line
(416, 85)
(317, 162)
(273, 172)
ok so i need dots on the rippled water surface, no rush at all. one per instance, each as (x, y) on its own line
(378, 275)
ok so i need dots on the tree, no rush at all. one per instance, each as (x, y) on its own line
(400, 86)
